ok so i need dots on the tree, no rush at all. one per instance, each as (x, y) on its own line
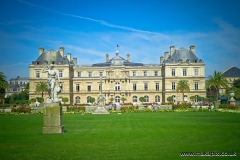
(42, 87)
(236, 83)
(142, 99)
(183, 86)
(3, 85)
(217, 80)
(111, 100)
(65, 99)
(123, 99)
(91, 99)
(3, 81)
(170, 99)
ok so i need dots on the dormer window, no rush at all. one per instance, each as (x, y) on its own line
(37, 62)
(53, 62)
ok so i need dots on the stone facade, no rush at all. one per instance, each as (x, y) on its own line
(122, 78)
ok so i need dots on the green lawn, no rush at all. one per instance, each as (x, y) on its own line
(161, 135)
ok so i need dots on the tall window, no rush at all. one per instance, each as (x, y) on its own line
(173, 86)
(79, 74)
(89, 74)
(89, 87)
(99, 87)
(196, 85)
(77, 100)
(134, 86)
(173, 72)
(100, 74)
(134, 98)
(155, 73)
(37, 74)
(157, 98)
(145, 73)
(60, 73)
(184, 72)
(117, 99)
(195, 72)
(134, 73)
(157, 86)
(146, 98)
(77, 87)
(117, 86)
(145, 86)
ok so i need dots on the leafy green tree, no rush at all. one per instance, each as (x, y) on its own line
(111, 100)
(91, 99)
(65, 99)
(123, 99)
(3, 81)
(142, 99)
(3, 85)
(183, 86)
(236, 92)
(170, 99)
(217, 80)
(193, 98)
(236, 83)
(39, 99)
(41, 88)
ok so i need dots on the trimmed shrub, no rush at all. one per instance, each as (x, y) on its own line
(229, 106)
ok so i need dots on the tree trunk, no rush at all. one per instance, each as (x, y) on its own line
(183, 95)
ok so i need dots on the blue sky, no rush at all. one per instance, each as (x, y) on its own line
(145, 29)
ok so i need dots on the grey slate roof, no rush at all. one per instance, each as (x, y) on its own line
(232, 72)
(52, 56)
(117, 61)
(182, 55)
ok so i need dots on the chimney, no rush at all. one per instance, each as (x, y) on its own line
(69, 56)
(166, 54)
(75, 60)
(128, 57)
(61, 49)
(172, 49)
(41, 50)
(161, 59)
(192, 48)
(107, 57)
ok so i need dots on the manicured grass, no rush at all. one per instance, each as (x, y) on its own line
(121, 136)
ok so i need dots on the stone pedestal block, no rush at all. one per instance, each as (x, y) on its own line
(52, 118)
(101, 110)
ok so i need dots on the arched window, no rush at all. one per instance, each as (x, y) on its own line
(185, 98)
(134, 98)
(157, 98)
(77, 100)
(146, 98)
(88, 101)
(117, 99)
(117, 86)
(174, 98)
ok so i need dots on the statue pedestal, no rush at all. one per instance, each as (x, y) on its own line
(101, 110)
(232, 101)
(52, 118)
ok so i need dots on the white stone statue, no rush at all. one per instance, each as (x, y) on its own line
(53, 91)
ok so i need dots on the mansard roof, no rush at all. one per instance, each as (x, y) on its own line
(232, 72)
(52, 57)
(182, 55)
(117, 61)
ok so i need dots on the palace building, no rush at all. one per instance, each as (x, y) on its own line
(121, 77)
